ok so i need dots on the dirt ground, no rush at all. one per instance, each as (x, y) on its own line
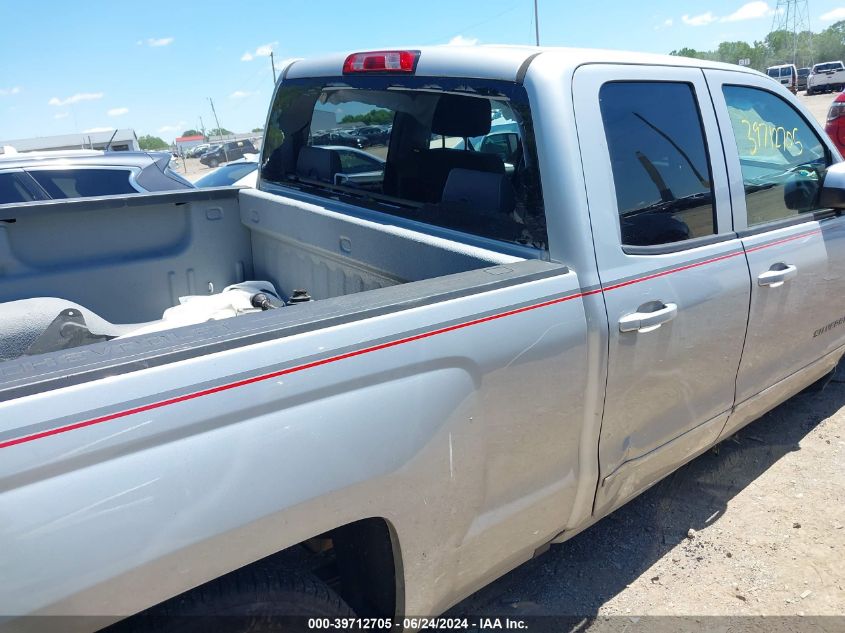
(754, 527)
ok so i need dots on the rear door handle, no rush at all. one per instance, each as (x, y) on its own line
(648, 321)
(777, 274)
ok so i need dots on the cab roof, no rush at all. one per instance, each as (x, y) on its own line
(498, 61)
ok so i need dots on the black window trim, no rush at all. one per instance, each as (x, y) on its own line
(677, 247)
(773, 225)
(503, 89)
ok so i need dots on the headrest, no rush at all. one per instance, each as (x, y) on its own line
(318, 163)
(482, 191)
(456, 115)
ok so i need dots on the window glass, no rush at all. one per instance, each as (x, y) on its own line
(80, 183)
(782, 159)
(458, 154)
(659, 162)
(355, 163)
(13, 190)
(226, 175)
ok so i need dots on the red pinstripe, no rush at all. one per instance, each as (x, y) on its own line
(374, 348)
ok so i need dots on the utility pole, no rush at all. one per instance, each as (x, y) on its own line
(202, 127)
(273, 66)
(793, 16)
(219, 129)
(536, 25)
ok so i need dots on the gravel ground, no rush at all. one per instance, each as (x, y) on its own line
(753, 527)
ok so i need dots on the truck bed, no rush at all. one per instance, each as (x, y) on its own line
(78, 253)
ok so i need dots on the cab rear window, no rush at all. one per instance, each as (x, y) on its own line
(452, 153)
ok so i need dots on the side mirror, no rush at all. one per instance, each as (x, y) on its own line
(801, 190)
(833, 188)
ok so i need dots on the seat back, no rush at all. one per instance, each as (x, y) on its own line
(318, 163)
(483, 193)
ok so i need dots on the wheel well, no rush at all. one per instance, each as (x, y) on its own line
(360, 561)
(367, 561)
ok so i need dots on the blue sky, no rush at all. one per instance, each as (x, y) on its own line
(76, 65)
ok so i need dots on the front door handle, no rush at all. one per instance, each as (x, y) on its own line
(777, 274)
(648, 321)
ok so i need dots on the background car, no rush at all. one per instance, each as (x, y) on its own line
(197, 150)
(803, 73)
(242, 173)
(375, 134)
(359, 168)
(835, 126)
(29, 176)
(347, 138)
(227, 152)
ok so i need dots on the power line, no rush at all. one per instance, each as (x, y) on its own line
(793, 16)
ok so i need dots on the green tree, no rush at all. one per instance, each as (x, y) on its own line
(829, 45)
(191, 133)
(732, 52)
(258, 129)
(148, 142)
(373, 117)
(219, 131)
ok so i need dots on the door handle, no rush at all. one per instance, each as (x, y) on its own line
(777, 274)
(648, 321)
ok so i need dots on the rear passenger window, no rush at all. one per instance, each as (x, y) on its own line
(661, 172)
(80, 183)
(12, 189)
(455, 153)
(782, 160)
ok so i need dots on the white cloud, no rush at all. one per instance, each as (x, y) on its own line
(61, 115)
(10, 91)
(117, 111)
(79, 96)
(240, 94)
(164, 129)
(460, 40)
(699, 20)
(262, 51)
(159, 41)
(265, 49)
(665, 24)
(833, 15)
(750, 11)
(93, 130)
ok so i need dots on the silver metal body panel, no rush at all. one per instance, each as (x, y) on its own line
(794, 323)
(478, 426)
(439, 428)
(665, 382)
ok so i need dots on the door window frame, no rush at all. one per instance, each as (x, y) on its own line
(717, 79)
(597, 163)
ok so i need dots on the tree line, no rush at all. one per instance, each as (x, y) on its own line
(777, 48)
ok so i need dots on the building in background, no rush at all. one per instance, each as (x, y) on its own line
(184, 143)
(124, 140)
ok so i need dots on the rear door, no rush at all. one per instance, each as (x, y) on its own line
(672, 270)
(776, 160)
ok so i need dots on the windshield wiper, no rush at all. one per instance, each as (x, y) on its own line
(676, 204)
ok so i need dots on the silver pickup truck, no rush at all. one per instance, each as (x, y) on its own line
(573, 272)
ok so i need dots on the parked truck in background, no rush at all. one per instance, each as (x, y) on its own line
(331, 397)
(826, 77)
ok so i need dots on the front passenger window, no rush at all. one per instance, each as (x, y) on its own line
(782, 159)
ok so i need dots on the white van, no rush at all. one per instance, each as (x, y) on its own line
(786, 74)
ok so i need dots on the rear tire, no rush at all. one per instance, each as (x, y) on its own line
(213, 163)
(250, 601)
